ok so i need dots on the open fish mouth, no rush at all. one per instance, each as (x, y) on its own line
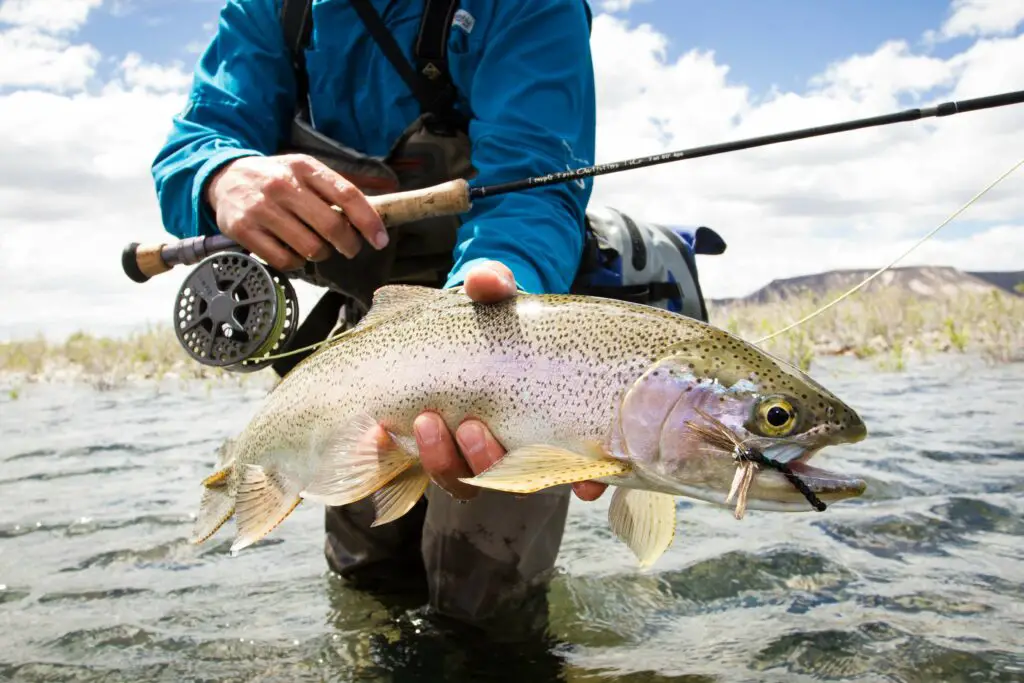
(771, 489)
(825, 483)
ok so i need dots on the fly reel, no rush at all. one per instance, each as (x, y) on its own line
(232, 310)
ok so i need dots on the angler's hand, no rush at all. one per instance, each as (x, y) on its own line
(490, 282)
(279, 208)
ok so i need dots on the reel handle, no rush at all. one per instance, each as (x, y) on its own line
(141, 262)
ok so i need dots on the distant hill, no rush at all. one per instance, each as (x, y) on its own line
(925, 281)
(1006, 281)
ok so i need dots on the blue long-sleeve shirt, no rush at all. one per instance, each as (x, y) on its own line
(524, 73)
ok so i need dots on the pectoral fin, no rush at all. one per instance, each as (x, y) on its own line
(264, 499)
(532, 468)
(644, 520)
(398, 497)
(358, 461)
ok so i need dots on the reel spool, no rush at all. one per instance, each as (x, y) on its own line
(232, 310)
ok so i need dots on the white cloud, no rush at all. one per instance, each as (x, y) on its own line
(75, 184)
(983, 18)
(30, 58)
(34, 51)
(854, 199)
(54, 16)
(617, 5)
(154, 77)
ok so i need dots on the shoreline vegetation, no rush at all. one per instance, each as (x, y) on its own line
(888, 327)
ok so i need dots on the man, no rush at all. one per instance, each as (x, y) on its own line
(523, 76)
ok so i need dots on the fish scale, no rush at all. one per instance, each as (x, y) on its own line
(548, 375)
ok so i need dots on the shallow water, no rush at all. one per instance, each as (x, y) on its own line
(922, 580)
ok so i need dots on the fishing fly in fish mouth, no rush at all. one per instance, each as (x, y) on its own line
(653, 403)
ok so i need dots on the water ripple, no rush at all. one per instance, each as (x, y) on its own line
(920, 580)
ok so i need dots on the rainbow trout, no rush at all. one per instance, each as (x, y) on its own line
(575, 388)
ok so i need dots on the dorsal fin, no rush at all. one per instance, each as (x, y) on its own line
(391, 300)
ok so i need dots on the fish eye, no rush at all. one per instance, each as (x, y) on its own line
(775, 416)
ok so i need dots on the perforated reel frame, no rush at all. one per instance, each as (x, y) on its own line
(233, 310)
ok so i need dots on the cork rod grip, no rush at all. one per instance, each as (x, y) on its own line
(446, 199)
(141, 262)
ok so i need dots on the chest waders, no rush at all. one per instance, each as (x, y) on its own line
(623, 258)
(487, 561)
(433, 149)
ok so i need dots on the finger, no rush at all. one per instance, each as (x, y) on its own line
(589, 490)
(344, 194)
(268, 248)
(478, 445)
(287, 227)
(440, 458)
(489, 282)
(347, 240)
(329, 223)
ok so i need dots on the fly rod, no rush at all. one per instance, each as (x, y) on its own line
(456, 196)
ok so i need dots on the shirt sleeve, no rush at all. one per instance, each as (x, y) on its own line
(534, 112)
(240, 103)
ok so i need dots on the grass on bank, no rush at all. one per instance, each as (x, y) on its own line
(151, 354)
(886, 326)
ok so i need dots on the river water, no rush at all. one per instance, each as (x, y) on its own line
(921, 580)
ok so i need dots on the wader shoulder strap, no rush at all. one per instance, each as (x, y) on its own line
(430, 81)
(297, 23)
(431, 84)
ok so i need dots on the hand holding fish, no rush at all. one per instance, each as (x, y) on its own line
(487, 283)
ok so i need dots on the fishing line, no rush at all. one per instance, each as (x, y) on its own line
(141, 262)
(897, 259)
(750, 455)
(820, 310)
(311, 347)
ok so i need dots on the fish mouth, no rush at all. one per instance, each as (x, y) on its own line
(772, 490)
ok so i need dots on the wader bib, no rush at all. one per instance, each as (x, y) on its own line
(488, 559)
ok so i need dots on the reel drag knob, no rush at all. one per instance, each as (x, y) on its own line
(232, 310)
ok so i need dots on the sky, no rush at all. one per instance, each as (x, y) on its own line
(87, 89)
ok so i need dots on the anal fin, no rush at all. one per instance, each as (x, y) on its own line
(644, 520)
(264, 499)
(359, 460)
(532, 468)
(399, 496)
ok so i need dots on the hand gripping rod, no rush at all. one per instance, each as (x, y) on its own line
(454, 197)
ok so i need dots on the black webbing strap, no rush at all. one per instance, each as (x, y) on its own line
(435, 94)
(431, 48)
(432, 88)
(296, 21)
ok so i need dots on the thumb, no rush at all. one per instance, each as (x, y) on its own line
(490, 282)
